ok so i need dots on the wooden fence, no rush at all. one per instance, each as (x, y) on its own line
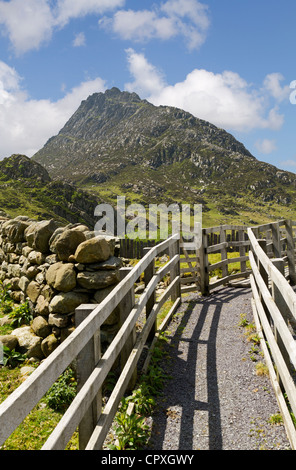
(134, 249)
(196, 268)
(223, 240)
(272, 261)
(266, 256)
(190, 272)
(85, 411)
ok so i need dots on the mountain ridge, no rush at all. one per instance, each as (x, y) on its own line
(118, 144)
(115, 118)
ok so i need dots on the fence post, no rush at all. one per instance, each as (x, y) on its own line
(242, 250)
(204, 263)
(290, 252)
(174, 249)
(148, 274)
(86, 361)
(126, 305)
(276, 239)
(223, 252)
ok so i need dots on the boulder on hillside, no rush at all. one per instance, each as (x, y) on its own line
(42, 306)
(33, 290)
(36, 257)
(10, 341)
(41, 327)
(49, 344)
(58, 319)
(111, 263)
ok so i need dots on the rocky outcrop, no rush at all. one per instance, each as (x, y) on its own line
(55, 268)
(26, 184)
(20, 166)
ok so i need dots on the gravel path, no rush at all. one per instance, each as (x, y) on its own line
(215, 400)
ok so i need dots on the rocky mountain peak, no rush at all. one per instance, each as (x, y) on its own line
(118, 128)
(116, 143)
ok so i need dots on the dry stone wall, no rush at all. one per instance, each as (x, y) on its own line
(55, 269)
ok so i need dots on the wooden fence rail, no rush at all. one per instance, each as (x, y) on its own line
(85, 410)
(274, 309)
(224, 239)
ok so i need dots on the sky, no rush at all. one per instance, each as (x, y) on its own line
(229, 62)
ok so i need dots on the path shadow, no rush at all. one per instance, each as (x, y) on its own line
(180, 390)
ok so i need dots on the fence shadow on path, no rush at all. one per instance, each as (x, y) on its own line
(189, 411)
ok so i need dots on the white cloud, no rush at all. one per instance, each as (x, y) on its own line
(30, 23)
(266, 146)
(273, 86)
(140, 25)
(147, 79)
(65, 10)
(26, 124)
(186, 18)
(27, 24)
(79, 40)
(224, 99)
(9, 81)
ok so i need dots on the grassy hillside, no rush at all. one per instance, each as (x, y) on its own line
(26, 189)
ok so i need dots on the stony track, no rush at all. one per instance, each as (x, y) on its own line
(214, 400)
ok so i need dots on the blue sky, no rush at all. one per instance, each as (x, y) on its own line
(230, 62)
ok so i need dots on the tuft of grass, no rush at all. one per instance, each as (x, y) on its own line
(262, 369)
(243, 320)
(276, 419)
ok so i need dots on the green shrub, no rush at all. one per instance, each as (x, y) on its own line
(21, 315)
(131, 432)
(12, 358)
(6, 302)
(62, 392)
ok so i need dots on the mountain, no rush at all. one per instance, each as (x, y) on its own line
(117, 144)
(27, 189)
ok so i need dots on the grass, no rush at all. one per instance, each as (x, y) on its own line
(262, 370)
(129, 430)
(35, 429)
(38, 425)
(276, 419)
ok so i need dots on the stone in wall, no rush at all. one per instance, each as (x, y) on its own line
(55, 269)
(65, 242)
(38, 234)
(61, 276)
(92, 251)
